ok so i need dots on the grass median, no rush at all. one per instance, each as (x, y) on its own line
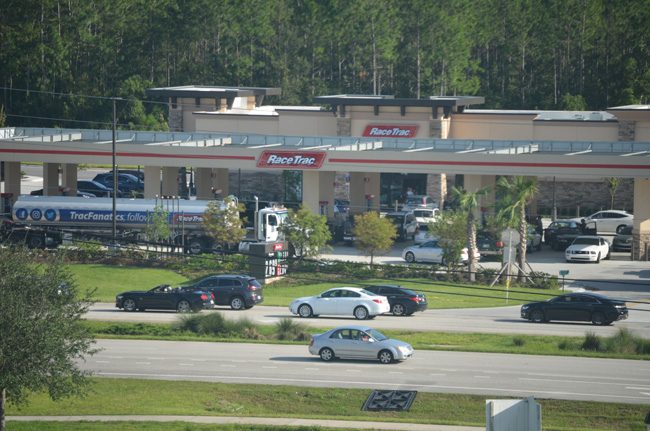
(108, 281)
(157, 397)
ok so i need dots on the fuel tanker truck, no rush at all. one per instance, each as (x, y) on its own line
(45, 221)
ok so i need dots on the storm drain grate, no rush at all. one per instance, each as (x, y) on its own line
(389, 400)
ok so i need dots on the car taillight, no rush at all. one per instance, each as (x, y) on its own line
(416, 299)
(378, 301)
(212, 295)
(499, 244)
(252, 287)
(311, 343)
(204, 297)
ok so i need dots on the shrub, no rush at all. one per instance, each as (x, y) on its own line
(518, 341)
(564, 345)
(288, 329)
(542, 280)
(592, 342)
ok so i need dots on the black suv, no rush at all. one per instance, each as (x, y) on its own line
(403, 302)
(238, 291)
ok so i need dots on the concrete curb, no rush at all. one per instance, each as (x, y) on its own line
(295, 422)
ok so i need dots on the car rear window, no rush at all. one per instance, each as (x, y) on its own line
(254, 282)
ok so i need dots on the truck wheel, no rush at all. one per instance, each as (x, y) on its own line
(195, 246)
(36, 241)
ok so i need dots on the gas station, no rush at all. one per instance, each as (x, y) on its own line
(369, 139)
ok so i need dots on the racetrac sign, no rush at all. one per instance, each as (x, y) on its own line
(291, 159)
(390, 131)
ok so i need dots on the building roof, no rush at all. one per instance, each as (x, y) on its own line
(388, 100)
(208, 91)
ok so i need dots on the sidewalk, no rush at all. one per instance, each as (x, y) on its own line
(251, 421)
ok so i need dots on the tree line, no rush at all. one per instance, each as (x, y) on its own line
(519, 54)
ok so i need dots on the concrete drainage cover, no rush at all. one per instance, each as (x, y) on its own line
(389, 401)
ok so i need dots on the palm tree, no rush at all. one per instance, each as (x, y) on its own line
(468, 201)
(519, 191)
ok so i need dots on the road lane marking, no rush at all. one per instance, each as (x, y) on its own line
(489, 389)
(269, 368)
(637, 388)
(437, 374)
(563, 376)
(186, 365)
(143, 363)
(103, 362)
(482, 377)
(156, 359)
(590, 382)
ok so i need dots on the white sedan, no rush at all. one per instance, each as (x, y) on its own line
(608, 220)
(587, 248)
(347, 301)
(432, 251)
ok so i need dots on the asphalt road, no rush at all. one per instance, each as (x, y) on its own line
(504, 320)
(606, 380)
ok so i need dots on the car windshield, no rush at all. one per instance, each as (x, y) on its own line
(586, 241)
(377, 335)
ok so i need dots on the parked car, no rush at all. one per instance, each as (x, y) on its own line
(403, 302)
(237, 291)
(164, 297)
(623, 239)
(488, 244)
(127, 184)
(431, 251)
(419, 201)
(358, 342)
(609, 220)
(95, 188)
(80, 194)
(423, 234)
(424, 216)
(588, 248)
(404, 222)
(579, 306)
(346, 301)
(534, 240)
(138, 173)
(559, 234)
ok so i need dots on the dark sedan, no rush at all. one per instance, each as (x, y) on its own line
(403, 302)
(165, 297)
(97, 189)
(579, 306)
(623, 239)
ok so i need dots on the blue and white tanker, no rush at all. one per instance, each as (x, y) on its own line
(46, 219)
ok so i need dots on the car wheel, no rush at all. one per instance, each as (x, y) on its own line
(386, 357)
(326, 354)
(598, 319)
(236, 303)
(409, 257)
(608, 255)
(305, 311)
(360, 313)
(129, 305)
(537, 316)
(398, 310)
(183, 306)
(598, 258)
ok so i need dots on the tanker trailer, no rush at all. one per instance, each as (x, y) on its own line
(43, 221)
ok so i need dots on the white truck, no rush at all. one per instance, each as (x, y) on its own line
(44, 221)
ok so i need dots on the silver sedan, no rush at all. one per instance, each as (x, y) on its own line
(358, 342)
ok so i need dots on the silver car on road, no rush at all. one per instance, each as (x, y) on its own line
(358, 342)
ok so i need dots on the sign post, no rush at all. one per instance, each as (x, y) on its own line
(563, 273)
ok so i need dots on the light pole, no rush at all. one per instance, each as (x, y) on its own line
(114, 174)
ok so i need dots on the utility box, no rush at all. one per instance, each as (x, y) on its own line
(513, 415)
(268, 260)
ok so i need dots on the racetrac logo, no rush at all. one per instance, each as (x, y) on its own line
(390, 131)
(291, 159)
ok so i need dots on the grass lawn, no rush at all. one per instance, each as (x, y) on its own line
(152, 426)
(143, 397)
(111, 280)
